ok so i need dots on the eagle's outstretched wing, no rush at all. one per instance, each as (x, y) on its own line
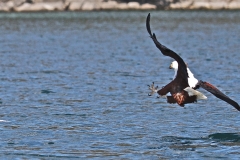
(182, 68)
(216, 92)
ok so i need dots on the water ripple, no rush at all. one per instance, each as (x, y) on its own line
(74, 85)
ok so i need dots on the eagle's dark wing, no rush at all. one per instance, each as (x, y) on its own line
(182, 68)
(212, 89)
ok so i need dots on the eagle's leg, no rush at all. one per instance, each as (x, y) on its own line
(153, 89)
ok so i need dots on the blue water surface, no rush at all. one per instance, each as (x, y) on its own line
(74, 85)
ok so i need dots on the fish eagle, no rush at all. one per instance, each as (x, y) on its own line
(183, 87)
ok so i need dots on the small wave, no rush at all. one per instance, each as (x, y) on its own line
(45, 91)
(3, 120)
(233, 137)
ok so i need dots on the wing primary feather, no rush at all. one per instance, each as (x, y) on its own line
(182, 68)
(148, 24)
(216, 92)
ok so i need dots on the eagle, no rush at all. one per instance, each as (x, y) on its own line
(183, 87)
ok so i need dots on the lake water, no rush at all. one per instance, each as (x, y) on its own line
(74, 85)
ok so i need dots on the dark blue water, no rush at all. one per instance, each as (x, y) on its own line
(74, 85)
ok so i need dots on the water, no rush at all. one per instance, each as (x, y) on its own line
(74, 85)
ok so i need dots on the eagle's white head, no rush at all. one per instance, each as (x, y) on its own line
(174, 65)
(192, 81)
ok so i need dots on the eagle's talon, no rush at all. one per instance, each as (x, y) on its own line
(153, 89)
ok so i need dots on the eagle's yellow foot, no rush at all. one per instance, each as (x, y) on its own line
(153, 89)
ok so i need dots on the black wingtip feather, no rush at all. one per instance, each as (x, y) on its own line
(233, 103)
(237, 106)
(182, 71)
(216, 92)
(148, 24)
(154, 36)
